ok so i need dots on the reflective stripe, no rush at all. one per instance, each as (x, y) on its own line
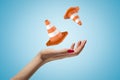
(73, 15)
(53, 33)
(49, 26)
(77, 20)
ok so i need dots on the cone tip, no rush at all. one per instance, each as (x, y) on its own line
(80, 23)
(47, 22)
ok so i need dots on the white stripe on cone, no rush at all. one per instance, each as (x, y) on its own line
(49, 26)
(77, 20)
(53, 33)
(73, 15)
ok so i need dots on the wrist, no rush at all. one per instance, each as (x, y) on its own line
(41, 59)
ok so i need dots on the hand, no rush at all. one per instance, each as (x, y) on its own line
(46, 56)
(52, 54)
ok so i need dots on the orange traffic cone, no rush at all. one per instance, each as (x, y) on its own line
(56, 36)
(72, 14)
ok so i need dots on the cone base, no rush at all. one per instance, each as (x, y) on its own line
(71, 9)
(51, 43)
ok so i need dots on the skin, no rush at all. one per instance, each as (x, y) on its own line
(48, 55)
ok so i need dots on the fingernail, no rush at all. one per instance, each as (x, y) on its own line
(70, 51)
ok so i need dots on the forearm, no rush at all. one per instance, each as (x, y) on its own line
(29, 69)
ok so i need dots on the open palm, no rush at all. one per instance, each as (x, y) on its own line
(52, 54)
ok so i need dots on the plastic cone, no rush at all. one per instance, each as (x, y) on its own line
(56, 36)
(72, 13)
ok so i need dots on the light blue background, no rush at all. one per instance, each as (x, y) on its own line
(23, 34)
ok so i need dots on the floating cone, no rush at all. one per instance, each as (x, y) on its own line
(72, 13)
(56, 36)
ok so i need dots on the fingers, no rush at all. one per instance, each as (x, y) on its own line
(72, 46)
(80, 47)
(78, 44)
(84, 45)
(77, 50)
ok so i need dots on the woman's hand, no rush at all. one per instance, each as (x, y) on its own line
(46, 56)
(52, 54)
